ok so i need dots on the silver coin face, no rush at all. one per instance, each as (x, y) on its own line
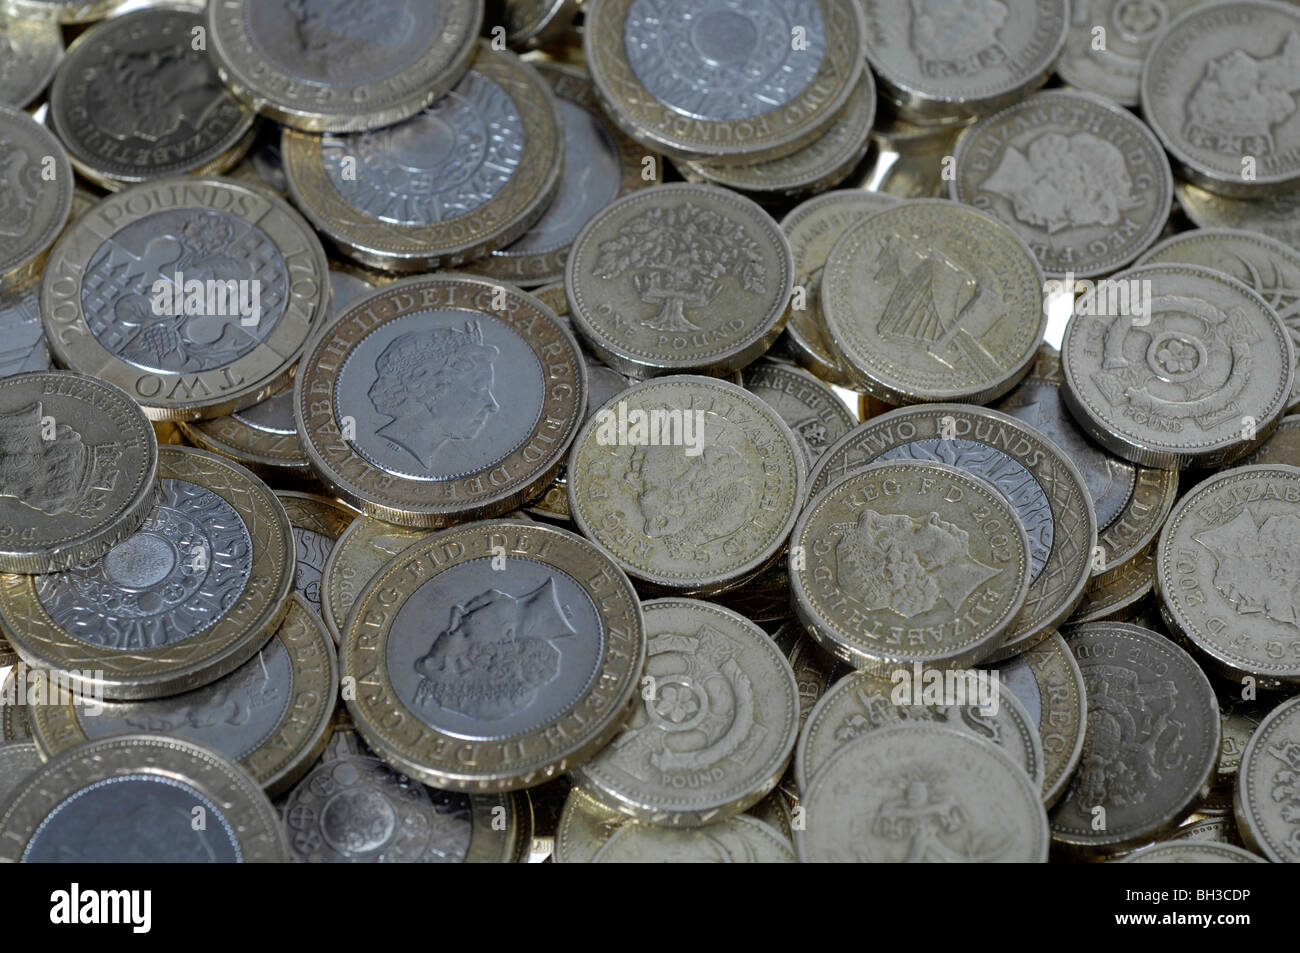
(36, 180)
(22, 342)
(811, 409)
(30, 51)
(1266, 804)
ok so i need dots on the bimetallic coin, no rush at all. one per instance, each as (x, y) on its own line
(1224, 570)
(1266, 805)
(738, 840)
(691, 483)
(317, 523)
(1048, 492)
(939, 62)
(270, 715)
(1199, 378)
(18, 759)
(716, 725)
(1282, 448)
(494, 656)
(133, 798)
(600, 165)
(59, 11)
(812, 410)
(136, 100)
(917, 793)
(1119, 592)
(36, 179)
(191, 596)
(360, 552)
(325, 68)
(1277, 216)
(440, 399)
(1081, 180)
(1152, 739)
(1191, 853)
(530, 23)
(78, 470)
(467, 175)
(225, 284)
(1217, 89)
(722, 80)
(929, 300)
(908, 561)
(30, 51)
(679, 278)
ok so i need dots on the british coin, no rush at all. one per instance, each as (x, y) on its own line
(226, 284)
(812, 410)
(737, 840)
(22, 343)
(822, 164)
(585, 827)
(812, 229)
(1118, 593)
(192, 595)
(922, 793)
(15, 725)
(814, 670)
(942, 63)
(722, 80)
(465, 709)
(1047, 490)
(1265, 804)
(929, 300)
(467, 175)
(692, 512)
(1200, 378)
(59, 11)
(860, 703)
(30, 51)
(1082, 180)
(679, 279)
(18, 759)
(321, 68)
(133, 798)
(1219, 830)
(317, 523)
(440, 399)
(1131, 502)
(1191, 853)
(1264, 265)
(359, 553)
(78, 470)
(135, 101)
(715, 729)
(270, 715)
(1205, 93)
(852, 592)
(1222, 573)
(1282, 448)
(1277, 216)
(1108, 42)
(37, 182)
(1241, 719)
(600, 165)
(529, 24)
(1144, 694)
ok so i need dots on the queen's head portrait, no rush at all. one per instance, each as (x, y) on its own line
(20, 188)
(45, 464)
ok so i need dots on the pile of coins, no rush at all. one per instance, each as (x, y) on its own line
(424, 433)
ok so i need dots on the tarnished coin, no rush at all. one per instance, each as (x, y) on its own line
(1264, 265)
(1191, 853)
(600, 165)
(270, 715)
(494, 656)
(1109, 63)
(36, 179)
(679, 278)
(323, 67)
(722, 80)
(812, 229)
(1277, 216)
(195, 296)
(456, 181)
(922, 793)
(1282, 448)
(1119, 592)
(191, 596)
(1048, 492)
(137, 100)
(861, 703)
(78, 470)
(30, 51)
(938, 61)
(59, 11)
(317, 523)
(1224, 571)
(1266, 804)
(691, 483)
(1217, 88)
(530, 23)
(717, 730)
(1083, 181)
(812, 410)
(1130, 501)
(909, 561)
(132, 799)
(1199, 378)
(1152, 739)
(440, 399)
(822, 164)
(360, 552)
(929, 300)
(738, 840)
(18, 759)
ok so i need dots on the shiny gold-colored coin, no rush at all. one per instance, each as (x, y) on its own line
(317, 522)
(360, 552)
